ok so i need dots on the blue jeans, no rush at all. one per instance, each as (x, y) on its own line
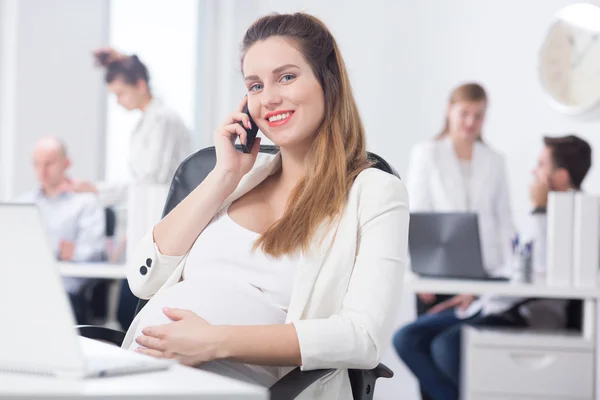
(431, 347)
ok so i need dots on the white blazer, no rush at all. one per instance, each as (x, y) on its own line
(435, 183)
(348, 287)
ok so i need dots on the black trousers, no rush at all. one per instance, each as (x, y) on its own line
(127, 305)
(78, 304)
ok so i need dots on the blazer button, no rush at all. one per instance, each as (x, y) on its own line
(148, 262)
(143, 270)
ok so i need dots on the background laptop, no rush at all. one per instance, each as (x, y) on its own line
(38, 332)
(446, 245)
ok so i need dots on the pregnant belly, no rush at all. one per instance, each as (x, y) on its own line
(220, 301)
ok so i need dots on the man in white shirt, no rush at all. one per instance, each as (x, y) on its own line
(74, 222)
(431, 345)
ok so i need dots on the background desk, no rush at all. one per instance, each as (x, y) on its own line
(114, 272)
(178, 382)
(92, 270)
(479, 287)
(590, 297)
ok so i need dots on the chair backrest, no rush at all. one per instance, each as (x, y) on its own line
(196, 167)
(193, 170)
(111, 222)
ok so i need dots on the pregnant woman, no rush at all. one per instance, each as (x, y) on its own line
(275, 262)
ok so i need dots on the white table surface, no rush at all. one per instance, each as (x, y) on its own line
(92, 270)
(478, 287)
(412, 282)
(178, 382)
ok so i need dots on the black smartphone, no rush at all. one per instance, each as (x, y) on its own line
(250, 133)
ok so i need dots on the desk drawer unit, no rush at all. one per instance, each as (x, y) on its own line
(508, 397)
(532, 372)
(509, 372)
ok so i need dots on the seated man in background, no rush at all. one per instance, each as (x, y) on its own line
(431, 346)
(74, 222)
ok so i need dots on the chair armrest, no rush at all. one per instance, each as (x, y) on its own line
(363, 381)
(101, 333)
(294, 383)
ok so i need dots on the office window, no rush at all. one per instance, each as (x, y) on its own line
(163, 33)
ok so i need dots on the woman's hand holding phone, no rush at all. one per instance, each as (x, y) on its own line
(231, 162)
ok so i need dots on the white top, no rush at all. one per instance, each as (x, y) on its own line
(465, 171)
(227, 283)
(158, 144)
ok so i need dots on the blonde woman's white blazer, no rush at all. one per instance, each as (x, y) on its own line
(435, 184)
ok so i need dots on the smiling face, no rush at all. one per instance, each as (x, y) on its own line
(285, 98)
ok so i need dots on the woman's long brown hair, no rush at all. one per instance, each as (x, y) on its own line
(338, 153)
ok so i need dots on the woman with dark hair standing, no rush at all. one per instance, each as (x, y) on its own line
(160, 141)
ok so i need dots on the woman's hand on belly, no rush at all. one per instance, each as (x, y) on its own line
(190, 338)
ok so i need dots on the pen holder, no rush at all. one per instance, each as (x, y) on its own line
(522, 268)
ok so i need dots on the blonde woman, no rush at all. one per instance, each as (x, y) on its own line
(457, 172)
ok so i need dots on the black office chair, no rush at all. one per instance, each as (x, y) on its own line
(188, 176)
(110, 218)
(574, 312)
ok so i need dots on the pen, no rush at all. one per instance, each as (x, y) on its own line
(515, 242)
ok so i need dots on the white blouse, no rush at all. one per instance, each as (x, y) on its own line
(465, 171)
(227, 283)
(158, 144)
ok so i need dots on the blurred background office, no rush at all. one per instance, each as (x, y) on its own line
(404, 58)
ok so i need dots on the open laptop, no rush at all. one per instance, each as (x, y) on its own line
(446, 245)
(38, 332)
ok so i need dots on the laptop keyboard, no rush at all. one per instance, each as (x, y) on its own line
(116, 365)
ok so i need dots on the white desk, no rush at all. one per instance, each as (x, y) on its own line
(456, 286)
(92, 270)
(178, 382)
(590, 297)
(114, 272)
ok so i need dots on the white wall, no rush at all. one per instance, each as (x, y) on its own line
(8, 43)
(48, 85)
(220, 86)
(163, 33)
